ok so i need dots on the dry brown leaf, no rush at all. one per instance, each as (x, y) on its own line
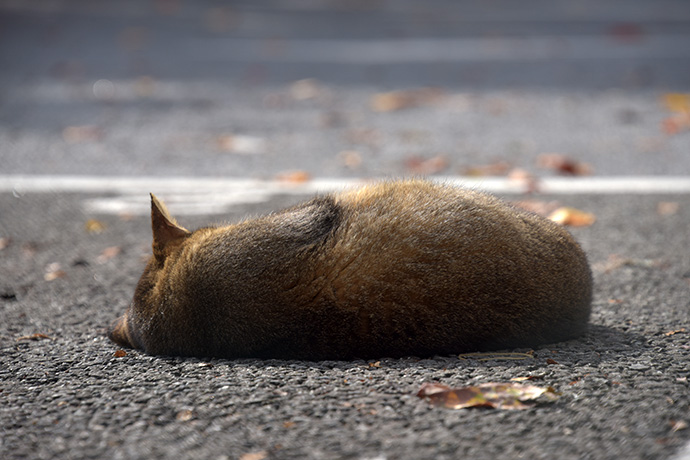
(53, 272)
(259, 455)
(421, 166)
(108, 253)
(551, 361)
(667, 208)
(120, 353)
(288, 424)
(94, 226)
(241, 144)
(78, 134)
(614, 262)
(293, 177)
(398, 100)
(669, 333)
(375, 364)
(527, 378)
(626, 32)
(352, 159)
(184, 415)
(509, 396)
(572, 217)
(4, 242)
(563, 164)
(36, 336)
(499, 168)
(676, 123)
(308, 88)
(677, 425)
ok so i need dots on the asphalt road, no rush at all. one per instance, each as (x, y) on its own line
(624, 386)
(180, 89)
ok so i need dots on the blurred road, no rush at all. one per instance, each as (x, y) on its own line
(176, 88)
(229, 109)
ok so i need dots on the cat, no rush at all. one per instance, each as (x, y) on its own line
(392, 269)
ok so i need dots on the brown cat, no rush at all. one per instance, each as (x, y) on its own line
(392, 269)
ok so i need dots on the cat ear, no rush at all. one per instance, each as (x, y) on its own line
(165, 228)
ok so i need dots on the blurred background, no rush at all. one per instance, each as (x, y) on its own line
(302, 89)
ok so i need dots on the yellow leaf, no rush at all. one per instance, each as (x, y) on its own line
(677, 102)
(94, 226)
(509, 396)
(259, 455)
(573, 217)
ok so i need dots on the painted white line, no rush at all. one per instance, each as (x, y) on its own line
(194, 195)
(368, 51)
(131, 185)
(683, 453)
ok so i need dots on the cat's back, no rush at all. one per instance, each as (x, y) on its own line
(446, 269)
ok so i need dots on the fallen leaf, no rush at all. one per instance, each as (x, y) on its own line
(669, 333)
(29, 249)
(667, 208)
(259, 455)
(551, 361)
(375, 364)
(308, 88)
(677, 425)
(94, 226)
(184, 415)
(241, 145)
(421, 166)
(288, 424)
(614, 262)
(120, 353)
(563, 164)
(527, 378)
(53, 272)
(398, 100)
(4, 242)
(36, 336)
(493, 395)
(350, 158)
(676, 102)
(572, 217)
(676, 123)
(108, 253)
(79, 134)
(499, 168)
(626, 32)
(294, 177)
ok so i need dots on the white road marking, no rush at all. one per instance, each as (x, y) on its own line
(195, 195)
(683, 453)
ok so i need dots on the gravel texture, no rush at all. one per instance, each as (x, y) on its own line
(624, 386)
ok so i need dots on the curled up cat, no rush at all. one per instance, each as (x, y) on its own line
(391, 269)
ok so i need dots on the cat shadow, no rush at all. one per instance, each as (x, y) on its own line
(599, 344)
